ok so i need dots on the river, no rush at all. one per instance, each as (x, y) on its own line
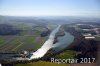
(46, 46)
(63, 42)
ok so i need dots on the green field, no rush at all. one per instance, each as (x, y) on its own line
(28, 39)
(1, 40)
(67, 54)
(19, 43)
(42, 63)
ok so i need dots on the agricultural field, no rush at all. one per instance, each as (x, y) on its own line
(27, 39)
(19, 43)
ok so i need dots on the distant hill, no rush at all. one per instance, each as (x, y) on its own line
(48, 19)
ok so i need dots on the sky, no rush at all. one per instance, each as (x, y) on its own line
(50, 7)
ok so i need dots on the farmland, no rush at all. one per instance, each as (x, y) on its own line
(19, 43)
(27, 39)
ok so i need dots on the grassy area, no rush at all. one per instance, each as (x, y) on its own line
(67, 54)
(42, 63)
(97, 38)
(1, 40)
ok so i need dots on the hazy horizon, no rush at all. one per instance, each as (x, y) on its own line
(85, 8)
